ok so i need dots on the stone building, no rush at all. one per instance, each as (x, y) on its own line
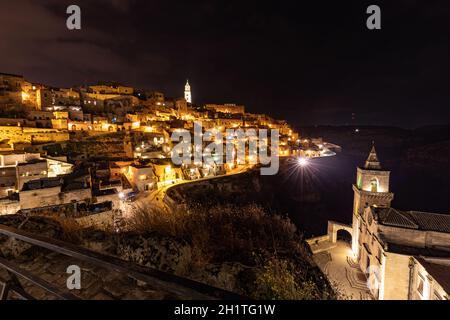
(187, 92)
(31, 170)
(141, 177)
(429, 279)
(398, 251)
(226, 108)
(14, 89)
(53, 98)
(50, 192)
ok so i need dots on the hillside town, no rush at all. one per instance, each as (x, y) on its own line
(101, 145)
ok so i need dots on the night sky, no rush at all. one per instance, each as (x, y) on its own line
(310, 63)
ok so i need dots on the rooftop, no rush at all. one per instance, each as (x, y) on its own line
(415, 251)
(425, 221)
(42, 184)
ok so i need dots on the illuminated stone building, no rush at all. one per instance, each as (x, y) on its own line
(429, 279)
(226, 108)
(403, 254)
(55, 98)
(141, 177)
(14, 89)
(187, 92)
(111, 88)
(385, 240)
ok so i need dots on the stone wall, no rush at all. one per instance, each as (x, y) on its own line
(9, 207)
(51, 197)
(416, 238)
(102, 221)
(29, 135)
(396, 277)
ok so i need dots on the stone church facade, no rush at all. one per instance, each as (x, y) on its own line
(385, 240)
(404, 254)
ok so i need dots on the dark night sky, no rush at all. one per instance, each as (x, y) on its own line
(311, 63)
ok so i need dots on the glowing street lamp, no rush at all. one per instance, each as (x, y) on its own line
(302, 162)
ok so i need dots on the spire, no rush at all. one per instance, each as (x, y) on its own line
(187, 92)
(372, 161)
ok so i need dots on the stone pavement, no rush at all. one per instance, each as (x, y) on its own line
(337, 262)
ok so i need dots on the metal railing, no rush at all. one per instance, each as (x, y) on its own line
(181, 287)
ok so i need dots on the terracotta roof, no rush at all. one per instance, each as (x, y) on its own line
(412, 219)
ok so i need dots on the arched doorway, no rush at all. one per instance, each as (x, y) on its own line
(344, 235)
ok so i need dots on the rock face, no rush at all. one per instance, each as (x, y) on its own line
(156, 251)
(38, 225)
(230, 276)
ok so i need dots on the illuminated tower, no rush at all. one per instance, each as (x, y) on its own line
(187, 92)
(371, 189)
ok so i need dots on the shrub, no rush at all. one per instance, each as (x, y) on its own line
(266, 243)
(222, 233)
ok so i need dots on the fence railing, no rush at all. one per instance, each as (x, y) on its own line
(164, 281)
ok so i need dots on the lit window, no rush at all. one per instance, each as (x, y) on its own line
(374, 185)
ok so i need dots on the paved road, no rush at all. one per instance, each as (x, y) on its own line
(155, 198)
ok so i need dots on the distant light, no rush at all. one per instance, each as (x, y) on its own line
(121, 195)
(303, 162)
(356, 130)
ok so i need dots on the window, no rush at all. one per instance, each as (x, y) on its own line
(437, 296)
(374, 185)
(420, 285)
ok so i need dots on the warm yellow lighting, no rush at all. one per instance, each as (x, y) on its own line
(168, 169)
(135, 124)
(25, 96)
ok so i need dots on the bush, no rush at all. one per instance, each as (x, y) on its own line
(222, 233)
(279, 280)
(267, 243)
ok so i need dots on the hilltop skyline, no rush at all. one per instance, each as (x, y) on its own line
(311, 63)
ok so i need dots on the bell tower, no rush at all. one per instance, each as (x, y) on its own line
(187, 92)
(371, 189)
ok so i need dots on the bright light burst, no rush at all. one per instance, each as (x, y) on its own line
(302, 162)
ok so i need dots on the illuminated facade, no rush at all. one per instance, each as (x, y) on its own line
(187, 92)
(226, 108)
(371, 188)
(384, 239)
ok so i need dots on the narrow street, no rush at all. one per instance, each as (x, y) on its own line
(155, 198)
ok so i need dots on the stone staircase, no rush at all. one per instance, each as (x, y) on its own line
(352, 263)
(354, 278)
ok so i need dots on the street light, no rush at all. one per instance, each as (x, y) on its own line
(302, 162)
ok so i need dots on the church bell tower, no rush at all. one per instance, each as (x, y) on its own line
(371, 189)
(187, 92)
